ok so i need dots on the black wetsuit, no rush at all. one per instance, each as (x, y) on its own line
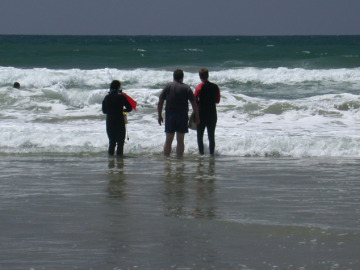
(113, 106)
(207, 95)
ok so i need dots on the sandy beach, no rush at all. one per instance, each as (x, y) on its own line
(148, 212)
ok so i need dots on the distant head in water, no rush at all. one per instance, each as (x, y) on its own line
(16, 85)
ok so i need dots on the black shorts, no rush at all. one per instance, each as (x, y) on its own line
(176, 122)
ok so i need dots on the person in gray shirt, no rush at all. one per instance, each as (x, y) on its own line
(177, 95)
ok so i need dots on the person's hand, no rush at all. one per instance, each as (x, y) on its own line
(160, 119)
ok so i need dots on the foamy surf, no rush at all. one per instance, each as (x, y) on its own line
(263, 112)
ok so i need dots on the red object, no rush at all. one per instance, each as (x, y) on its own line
(132, 102)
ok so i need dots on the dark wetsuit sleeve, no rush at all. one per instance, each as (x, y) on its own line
(218, 97)
(104, 109)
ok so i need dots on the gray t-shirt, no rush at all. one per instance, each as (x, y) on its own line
(177, 95)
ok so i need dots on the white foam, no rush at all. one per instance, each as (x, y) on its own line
(137, 78)
(60, 111)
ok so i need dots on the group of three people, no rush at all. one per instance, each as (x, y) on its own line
(176, 96)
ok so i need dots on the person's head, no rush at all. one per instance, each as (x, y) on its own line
(178, 75)
(115, 85)
(16, 85)
(204, 74)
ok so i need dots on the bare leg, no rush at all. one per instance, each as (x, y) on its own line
(180, 144)
(168, 143)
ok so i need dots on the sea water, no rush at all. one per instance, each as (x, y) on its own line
(280, 96)
(282, 191)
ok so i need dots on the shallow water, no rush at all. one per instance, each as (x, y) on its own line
(148, 212)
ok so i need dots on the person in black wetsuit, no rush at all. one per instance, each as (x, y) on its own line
(113, 106)
(207, 95)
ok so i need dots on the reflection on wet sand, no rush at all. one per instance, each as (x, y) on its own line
(205, 197)
(189, 191)
(116, 187)
(151, 213)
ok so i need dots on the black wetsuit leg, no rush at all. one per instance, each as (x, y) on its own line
(211, 135)
(210, 124)
(120, 141)
(115, 128)
(200, 135)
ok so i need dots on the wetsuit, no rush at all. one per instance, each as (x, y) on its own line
(113, 106)
(207, 95)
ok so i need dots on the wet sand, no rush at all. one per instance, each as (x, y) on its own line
(147, 212)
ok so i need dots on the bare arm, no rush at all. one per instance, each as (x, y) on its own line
(196, 111)
(160, 107)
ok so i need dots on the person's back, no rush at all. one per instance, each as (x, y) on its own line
(113, 104)
(207, 99)
(177, 95)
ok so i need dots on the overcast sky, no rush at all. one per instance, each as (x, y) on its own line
(181, 17)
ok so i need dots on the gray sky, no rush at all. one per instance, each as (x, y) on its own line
(181, 17)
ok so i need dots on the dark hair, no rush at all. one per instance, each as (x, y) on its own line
(115, 84)
(178, 75)
(203, 74)
(16, 85)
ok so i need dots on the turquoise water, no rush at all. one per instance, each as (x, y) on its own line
(124, 52)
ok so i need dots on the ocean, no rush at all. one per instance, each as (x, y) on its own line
(282, 191)
(280, 96)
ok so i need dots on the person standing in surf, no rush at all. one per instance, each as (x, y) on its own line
(177, 95)
(207, 95)
(113, 106)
